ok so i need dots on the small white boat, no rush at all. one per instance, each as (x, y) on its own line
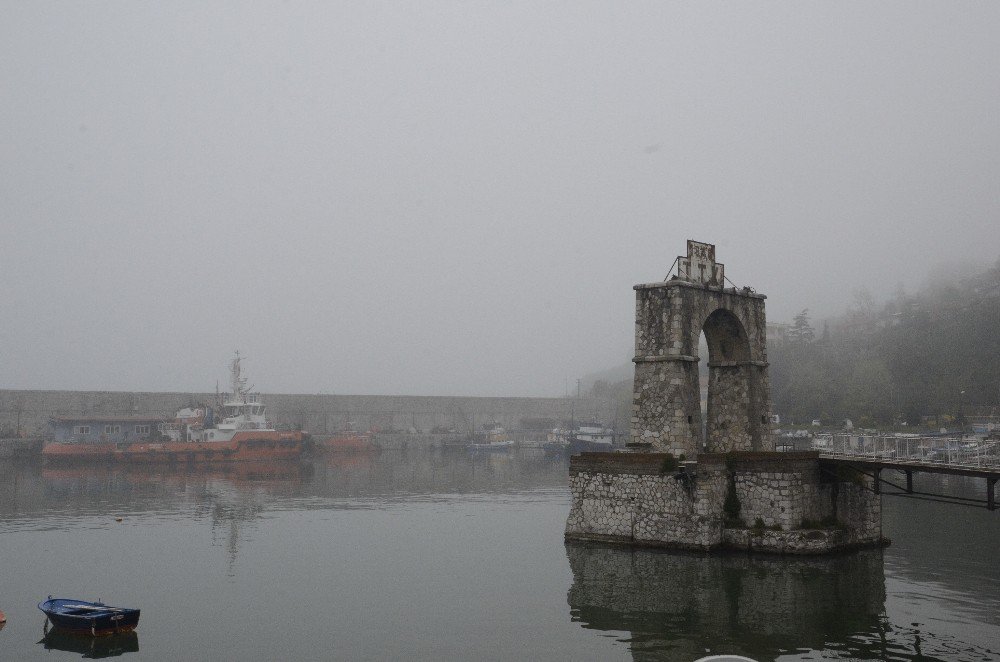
(495, 440)
(593, 437)
(531, 444)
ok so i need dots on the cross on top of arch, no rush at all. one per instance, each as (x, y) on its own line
(700, 266)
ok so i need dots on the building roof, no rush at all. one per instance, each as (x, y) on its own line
(146, 418)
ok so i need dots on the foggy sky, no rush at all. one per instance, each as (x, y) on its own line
(456, 198)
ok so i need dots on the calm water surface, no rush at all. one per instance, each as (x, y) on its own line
(427, 556)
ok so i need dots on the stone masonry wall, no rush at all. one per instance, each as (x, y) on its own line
(728, 402)
(667, 391)
(628, 497)
(779, 494)
(644, 499)
(857, 503)
(666, 412)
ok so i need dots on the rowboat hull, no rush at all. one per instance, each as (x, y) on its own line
(93, 618)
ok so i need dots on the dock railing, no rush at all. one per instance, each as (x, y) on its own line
(956, 451)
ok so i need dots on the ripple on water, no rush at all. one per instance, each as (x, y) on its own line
(907, 644)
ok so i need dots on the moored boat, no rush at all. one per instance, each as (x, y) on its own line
(531, 444)
(240, 433)
(491, 446)
(556, 447)
(493, 440)
(96, 438)
(56, 452)
(557, 441)
(257, 446)
(345, 442)
(589, 438)
(83, 617)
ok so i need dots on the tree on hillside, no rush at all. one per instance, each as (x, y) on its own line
(801, 332)
(863, 308)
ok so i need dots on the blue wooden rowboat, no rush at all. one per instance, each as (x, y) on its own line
(93, 618)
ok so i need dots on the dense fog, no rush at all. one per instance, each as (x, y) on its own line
(447, 198)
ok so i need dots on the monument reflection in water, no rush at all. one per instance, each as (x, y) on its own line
(685, 606)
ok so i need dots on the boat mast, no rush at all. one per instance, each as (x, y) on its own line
(239, 384)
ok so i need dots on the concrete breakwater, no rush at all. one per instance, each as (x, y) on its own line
(29, 411)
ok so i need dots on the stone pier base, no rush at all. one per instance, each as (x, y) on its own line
(785, 503)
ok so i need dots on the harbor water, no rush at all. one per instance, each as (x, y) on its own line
(451, 556)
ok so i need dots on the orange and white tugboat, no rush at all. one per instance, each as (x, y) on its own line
(242, 432)
(345, 441)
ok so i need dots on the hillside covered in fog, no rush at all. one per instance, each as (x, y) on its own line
(933, 353)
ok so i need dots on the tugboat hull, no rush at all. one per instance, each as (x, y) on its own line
(243, 447)
(59, 452)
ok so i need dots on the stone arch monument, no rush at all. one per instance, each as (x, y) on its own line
(669, 319)
(739, 494)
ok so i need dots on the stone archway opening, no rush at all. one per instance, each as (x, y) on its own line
(728, 424)
(702, 389)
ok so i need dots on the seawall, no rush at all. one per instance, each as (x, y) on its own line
(30, 410)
